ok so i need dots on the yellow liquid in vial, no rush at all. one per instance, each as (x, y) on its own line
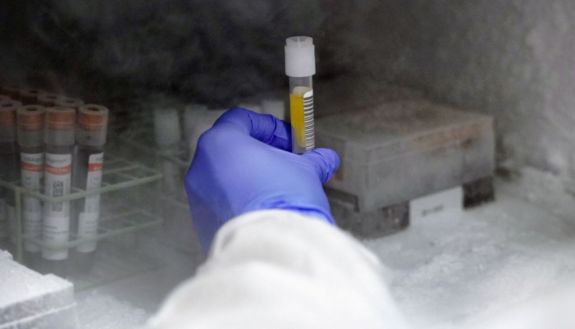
(301, 116)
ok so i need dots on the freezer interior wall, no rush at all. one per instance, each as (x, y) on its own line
(507, 58)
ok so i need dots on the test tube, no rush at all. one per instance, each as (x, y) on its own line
(91, 138)
(204, 121)
(192, 114)
(30, 120)
(10, 91)
(59, 143)
(8, 167)
(29, 96)
(48, 99)
(167, 134)
(275, 107)
(255, 107)
(72, 103)
(300, 68)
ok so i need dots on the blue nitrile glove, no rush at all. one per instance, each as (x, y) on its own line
(243, 163)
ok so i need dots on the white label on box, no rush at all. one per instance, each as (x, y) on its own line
(55, 233)
(448, 202)
(58, 180)
(87, 229)
(32, 229)
(94, 181)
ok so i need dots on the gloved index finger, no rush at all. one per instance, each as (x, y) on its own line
(263, 127)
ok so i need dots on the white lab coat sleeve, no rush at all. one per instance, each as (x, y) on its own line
(280, 269)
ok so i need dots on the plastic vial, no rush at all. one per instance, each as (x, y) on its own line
(11, 91)
(72, 103)
(29, 96)
(30, 120)
(192, 114)
(59, 144)
(4, 98)
(167, 134)
(8, 167)
(90, 138)
(204, 121)
(48, 99)
(275, 107)
(254, 107)
(300, 68)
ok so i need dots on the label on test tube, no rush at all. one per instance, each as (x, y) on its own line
(301, 115)
(56, 232)
(88, 220)
(87, 229)
(56, 228)
(94, 181)
(31, 165)
(32, 229)
(58, 182)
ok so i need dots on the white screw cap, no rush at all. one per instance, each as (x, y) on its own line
(300, 57)
(166, 126)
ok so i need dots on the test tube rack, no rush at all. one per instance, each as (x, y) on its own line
(138, 137)
(175, 209)
(118, 174)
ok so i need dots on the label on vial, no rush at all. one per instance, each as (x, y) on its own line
(87, 229)
(31, 165)
(94, 181)
(302, 119)
(56, 231)
(58, 181)
(32, 229)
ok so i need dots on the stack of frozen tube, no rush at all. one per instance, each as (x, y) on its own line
(197, 118)
(51, 144)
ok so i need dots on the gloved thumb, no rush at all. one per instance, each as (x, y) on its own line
(325, 161)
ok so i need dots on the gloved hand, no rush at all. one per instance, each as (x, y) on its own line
(243, 163)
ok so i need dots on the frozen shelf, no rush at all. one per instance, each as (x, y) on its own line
(113, 263)
(140, 139)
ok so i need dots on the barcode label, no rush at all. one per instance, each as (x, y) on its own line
(309, 129)
(58, 173)
(302, 119)
(94, 181)
(31, 166)
(56, 226)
